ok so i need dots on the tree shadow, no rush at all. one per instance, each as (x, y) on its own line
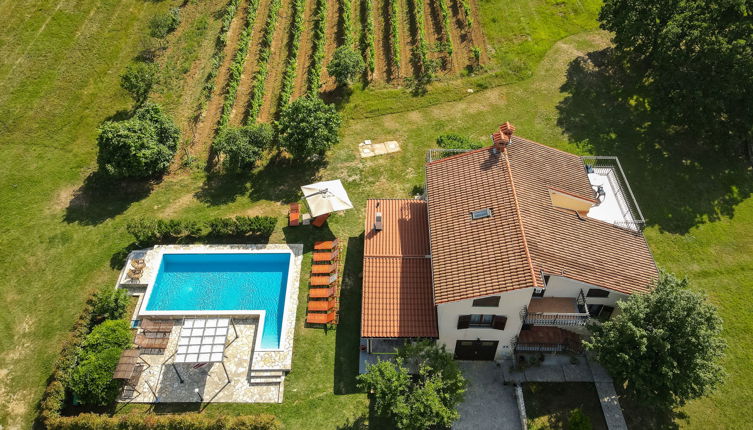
(640, 416)
(101, 198)
(682, 177)
(223, 188)
(339, 96)
(348, 328)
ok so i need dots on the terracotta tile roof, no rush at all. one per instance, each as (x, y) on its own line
(526, 234)
(397, 298)
(473, 258)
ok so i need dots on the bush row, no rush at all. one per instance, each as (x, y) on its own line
(466, 4)
(219, 53)
(395, 36)
(192, 421)
(150, 231)
(346, 23)
(236, 68)
(445, 12)
(317, 49)
(367, 37)
(420, 51)
(288, 77)
(257, 93)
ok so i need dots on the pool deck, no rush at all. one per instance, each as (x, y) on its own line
(255, 376)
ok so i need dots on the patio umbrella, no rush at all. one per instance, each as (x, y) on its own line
(326, 197)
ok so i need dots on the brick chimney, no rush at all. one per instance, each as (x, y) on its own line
(502, 138)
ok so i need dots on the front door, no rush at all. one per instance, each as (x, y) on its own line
(476, 349)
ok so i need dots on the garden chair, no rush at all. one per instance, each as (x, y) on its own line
(326, 245)
(322, 281)
(328, 318)
(322, 305)
(325, 257)
(294, 216)
(322, 293)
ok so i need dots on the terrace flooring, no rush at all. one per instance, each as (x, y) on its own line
(553, 305)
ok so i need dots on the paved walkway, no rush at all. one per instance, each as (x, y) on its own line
(610, 404)
(488, 404)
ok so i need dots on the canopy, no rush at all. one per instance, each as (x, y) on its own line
(326, 197)
(202, 340)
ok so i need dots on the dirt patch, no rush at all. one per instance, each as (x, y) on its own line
(331, 42)
(205, 129)
(176, 206)
(406, 40)
(380, 11)
(280, 42)
(479, 40)
(461, 44)
(434, 33)
(304, 51)
(239, 112)
(67, 197)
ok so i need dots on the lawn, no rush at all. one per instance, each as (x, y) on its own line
(548, 404)
(59, 68)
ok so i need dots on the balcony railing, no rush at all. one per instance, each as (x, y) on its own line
(579, 318)
(632, 217)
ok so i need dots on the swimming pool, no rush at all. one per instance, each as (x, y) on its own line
(223, 283)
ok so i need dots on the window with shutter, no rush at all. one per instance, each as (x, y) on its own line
(464, 321)
(499, 322)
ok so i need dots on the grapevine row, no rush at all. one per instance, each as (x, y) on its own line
(236, 68)
(346, 23)
(257, 94)
(219, 52)
(395, 35)
(289, 75)
(420, 51)
(445, 12)
(467, 11)
(367, 37)
(317, 47)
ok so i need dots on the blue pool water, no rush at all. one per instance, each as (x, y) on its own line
(224, 282)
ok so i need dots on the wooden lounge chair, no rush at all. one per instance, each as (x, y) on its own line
(322, 305)
(325, 256)
(157, 326)
(145, 342)
(323, 280)
(323, 269)
(328, 318)
(326, 245)
(320, 220)
(322, 293)
(294, 216)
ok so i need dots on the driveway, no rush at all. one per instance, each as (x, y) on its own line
(488, 404)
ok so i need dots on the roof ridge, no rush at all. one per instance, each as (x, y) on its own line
(520, 218)
(453, 157)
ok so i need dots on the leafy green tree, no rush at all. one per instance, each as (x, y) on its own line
(427, 401)
(346, 65)
(308, 128)
(665, 346)
(242, 147)
(694, 59)
(138, 79)
(163, 24)
(139, 147)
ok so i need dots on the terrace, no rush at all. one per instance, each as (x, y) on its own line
(617, 205)
(557, 311)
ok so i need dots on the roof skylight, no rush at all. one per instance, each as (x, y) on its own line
(481, 213)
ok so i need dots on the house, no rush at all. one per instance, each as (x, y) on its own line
(514, 247)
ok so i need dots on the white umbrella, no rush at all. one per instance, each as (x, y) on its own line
(326, 197)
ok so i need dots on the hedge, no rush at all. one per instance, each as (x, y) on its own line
(151, 231)
(192, 421)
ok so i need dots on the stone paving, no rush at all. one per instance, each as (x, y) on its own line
(488, 403)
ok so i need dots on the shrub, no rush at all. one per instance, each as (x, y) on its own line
(577, 420)
(262, 226)
(138, 79)
(222, 227)
(139, 147)
(242, 147)
(109, 304)
(163, 24)
(143, 230)
(308, 128)
(192, 421)
(91, 379)
(346, 65)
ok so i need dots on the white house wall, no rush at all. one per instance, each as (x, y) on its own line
(559, 286)
(510, 305)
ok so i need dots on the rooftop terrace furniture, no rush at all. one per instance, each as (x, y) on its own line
(323, 269)
(157, 326)
(323, 280)
(294, 216)
(322, 293)
(326, 245)
(328, 318)
(322, 305)
(146, 342)
(325, 256)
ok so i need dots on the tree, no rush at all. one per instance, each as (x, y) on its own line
(242, 147)
(163, 24)
(139, 147)
(694, 59)
(138, 79)
(308, 127)
(429, 400)
(346, 65)
(664, 346)
(110, 304)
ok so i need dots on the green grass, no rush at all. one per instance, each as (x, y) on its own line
(548, 404)
(61, 240)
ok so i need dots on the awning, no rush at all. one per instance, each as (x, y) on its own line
(202, 340)
(326, 197)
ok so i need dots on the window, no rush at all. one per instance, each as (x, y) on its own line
(597, 292)
(594, 310)
(538, 292)
(497, 322)
(486, 302)
(481, 213)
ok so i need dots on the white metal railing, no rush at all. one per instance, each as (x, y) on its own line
(625, 197)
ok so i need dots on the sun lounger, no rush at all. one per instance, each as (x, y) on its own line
(145, 342)
(322, 293)
(135, 274)
(328, 318)
(323, 269)
(326, 257)
(320, 220)
(326, 245)
(157, 326)
(323, 280)
(294, 216)
(322, 305)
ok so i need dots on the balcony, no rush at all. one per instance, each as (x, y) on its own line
(617, 205)
(557, 311)
(547, 339)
